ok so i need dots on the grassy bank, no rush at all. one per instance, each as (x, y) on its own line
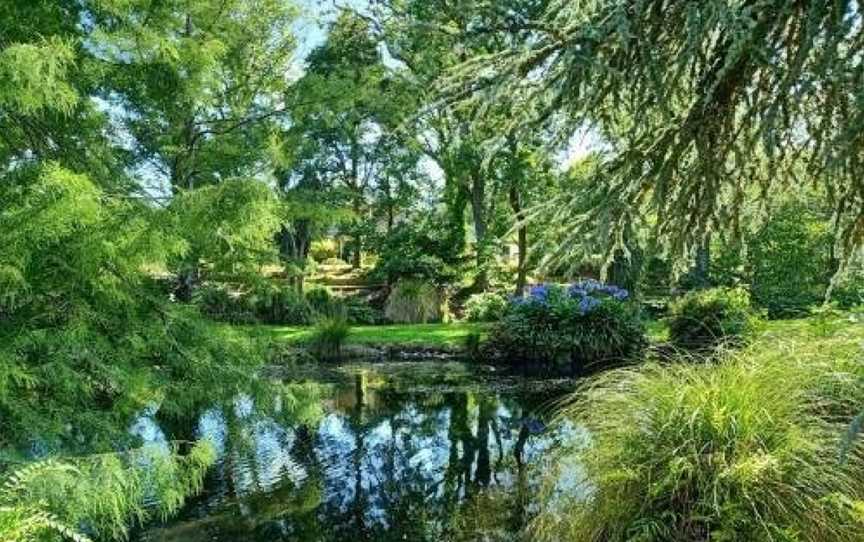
(754, 447)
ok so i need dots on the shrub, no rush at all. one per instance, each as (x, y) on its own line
(485, 307)
(361, 313)
(584, 326)
(426, 252)
(264, 302)
(220, 304)
(707, 319)
(790, 258)
(414, 302)
(274, 303)
(329, 334)
(323, 250)
(744, 450)
(319, 298)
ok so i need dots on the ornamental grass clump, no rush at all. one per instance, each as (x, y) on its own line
(330, 333)
(749, 449)
(585, 326)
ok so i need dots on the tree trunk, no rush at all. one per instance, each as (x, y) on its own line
(702, 267)
(357, 257)
(522, 234)
(478, 213)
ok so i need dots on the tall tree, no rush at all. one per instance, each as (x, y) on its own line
(342, 126)
(428, 38)
(200, 83)
(703, 105)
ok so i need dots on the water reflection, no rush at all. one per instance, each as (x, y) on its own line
(384, 459)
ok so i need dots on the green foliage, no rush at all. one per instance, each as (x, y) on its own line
(485, 307)
(324, 250)
(790, 261)
(743, 450)
(320, 299)
(360, 312)
(33, 76)
(99, 495)
(414, 302)
(264, 301)
(423, 251)
(553, 328)
(707, 319)
(229, 227)
(329, 334)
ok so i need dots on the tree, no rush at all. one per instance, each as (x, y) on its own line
(199, 83)
(704, 106)
(427, 39)
(343, 126)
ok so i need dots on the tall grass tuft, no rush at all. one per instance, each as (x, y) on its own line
(330, 333)
(749, 449)
(414, 302)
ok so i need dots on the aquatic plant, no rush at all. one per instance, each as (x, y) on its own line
(329, 333)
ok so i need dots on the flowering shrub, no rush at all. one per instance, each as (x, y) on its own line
(485, 307)
(706, 319)
(583, 326)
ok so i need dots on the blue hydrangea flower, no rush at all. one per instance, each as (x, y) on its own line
(587, 304)
(539, 292)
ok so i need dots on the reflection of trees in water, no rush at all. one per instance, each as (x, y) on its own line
(384, 465)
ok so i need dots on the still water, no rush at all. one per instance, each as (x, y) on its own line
(399, 451)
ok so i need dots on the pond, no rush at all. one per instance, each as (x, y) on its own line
(396, 451)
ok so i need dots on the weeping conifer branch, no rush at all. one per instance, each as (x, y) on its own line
(705, 106)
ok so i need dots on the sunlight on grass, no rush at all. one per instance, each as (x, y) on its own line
(432, 335)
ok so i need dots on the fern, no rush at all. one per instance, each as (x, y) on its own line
(102, 495)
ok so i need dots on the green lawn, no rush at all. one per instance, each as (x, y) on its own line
(839, 333)
(417, 335)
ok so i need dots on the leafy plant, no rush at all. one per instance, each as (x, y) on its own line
(100, 495)
(263, 301)
(707, 319)
(319, 298)
(584, 326)
(790, 261)
(485, 307)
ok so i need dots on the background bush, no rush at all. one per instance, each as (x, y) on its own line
(584, 326)
(319, 298)
(790, 260)
(263, 302)
(706, 319)
(485, 307)
(324, 249)
(414, 302)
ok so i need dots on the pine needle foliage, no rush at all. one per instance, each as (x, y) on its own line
(703, 106)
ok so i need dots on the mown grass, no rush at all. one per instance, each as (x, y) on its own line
(748, 448)
(409, 335)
